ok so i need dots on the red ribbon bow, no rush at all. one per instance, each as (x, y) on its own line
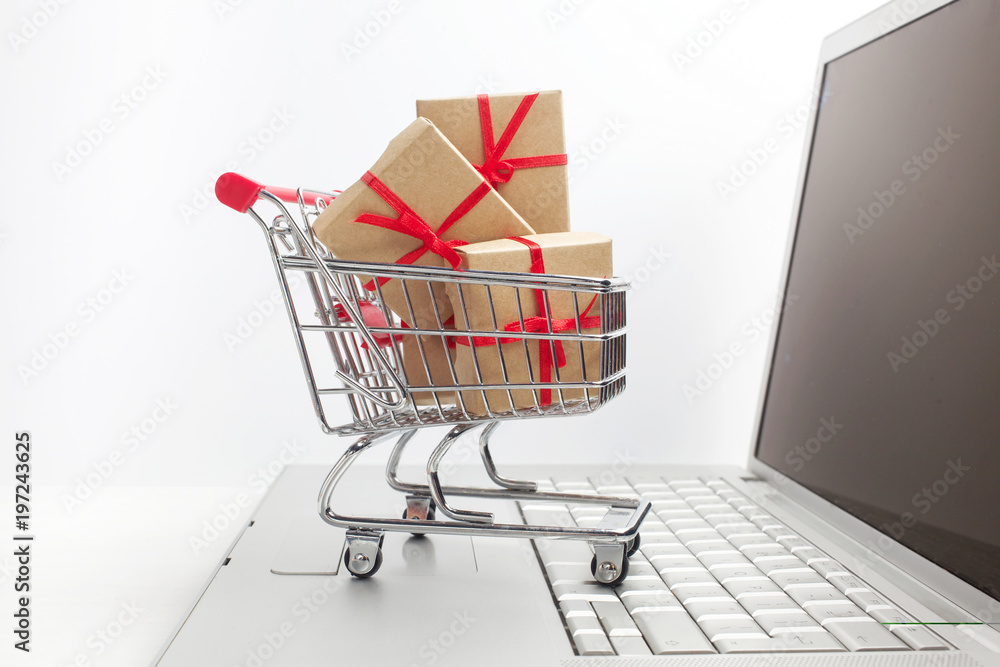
(494, 168)
(540, 324)
(411, 224)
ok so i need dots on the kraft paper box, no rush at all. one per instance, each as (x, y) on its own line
(573, 253)
(409, 207)
(438, 359)
(539, 193)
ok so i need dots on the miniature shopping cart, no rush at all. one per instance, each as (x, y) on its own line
(350, 345)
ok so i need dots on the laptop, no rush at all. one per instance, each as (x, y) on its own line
(864, 529)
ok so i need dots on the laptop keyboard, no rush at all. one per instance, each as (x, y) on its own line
(714, 573)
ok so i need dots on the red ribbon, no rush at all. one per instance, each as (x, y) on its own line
(539, 324)
(494, 168)
(411, 224)
(372, 316)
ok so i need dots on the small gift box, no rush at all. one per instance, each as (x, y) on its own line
(516, 360)
(518, 144)
(419, 202)
(428, 353)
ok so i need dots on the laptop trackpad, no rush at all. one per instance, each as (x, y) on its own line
(313, 547)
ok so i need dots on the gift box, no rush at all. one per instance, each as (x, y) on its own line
(428, 353)
(518, 144)
(418, 202)
(526, 310)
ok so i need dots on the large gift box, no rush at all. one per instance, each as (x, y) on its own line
(527, 360)
(517, 142)
(417, 204)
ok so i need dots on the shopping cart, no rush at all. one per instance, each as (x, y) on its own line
(345, 332)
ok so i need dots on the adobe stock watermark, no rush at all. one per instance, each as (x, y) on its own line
(913, 168)
(579, 160)
(808, 450)
(223, 8)
(655, 260)
(755, 158)
(203, 196)
(32, 24)
(435, 648)
(261, 311)
(302, 611)
(900, 14)
(86, 312)
(750, 332)
(922, 502)
(958, 298)
(708, 34)
(120, 110)
(366, 33)
(260, 481)
(101, 640)
(131, 441)
(556, 16)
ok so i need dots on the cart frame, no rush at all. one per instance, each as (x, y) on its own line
(367, 354)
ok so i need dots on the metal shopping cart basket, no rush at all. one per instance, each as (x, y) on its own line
(346, 332)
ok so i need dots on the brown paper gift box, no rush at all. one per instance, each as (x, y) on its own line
(437, 356)
(428, 179)
(583, 254)
(539, 193)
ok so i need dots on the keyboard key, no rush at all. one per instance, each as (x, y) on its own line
(806, 594)
(771, 548)
(860, 633)
(785, 642)
(771, 602)
(866, 599)
(741, 541)
(918, 637)
(588, 635)
(828, 567)
(723, 606)
(560, 572)
(674, 561)
(887, 614)
(746, 587)
(689, 536)
(692, 592)
(847, 583)
(589, 591)
(625, 637)
(686, 575)
(792, 542)
(650, 598)
(782, 620)
(655, 537)
(632, 646)
(797, 578)
(735, 627)
(667, 631)
(771, 564)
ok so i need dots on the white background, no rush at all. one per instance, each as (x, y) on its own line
(300, 95)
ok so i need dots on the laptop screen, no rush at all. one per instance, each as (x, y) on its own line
(884, 388)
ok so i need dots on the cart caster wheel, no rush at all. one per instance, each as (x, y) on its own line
(609, 574)
(633, 545)
(360, 566)
(415, 511)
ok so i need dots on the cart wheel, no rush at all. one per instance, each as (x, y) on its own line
(431, 513)
(618, 576)
(633, 545)
(356, 565)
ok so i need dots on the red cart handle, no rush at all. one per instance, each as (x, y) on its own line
(240, 193)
